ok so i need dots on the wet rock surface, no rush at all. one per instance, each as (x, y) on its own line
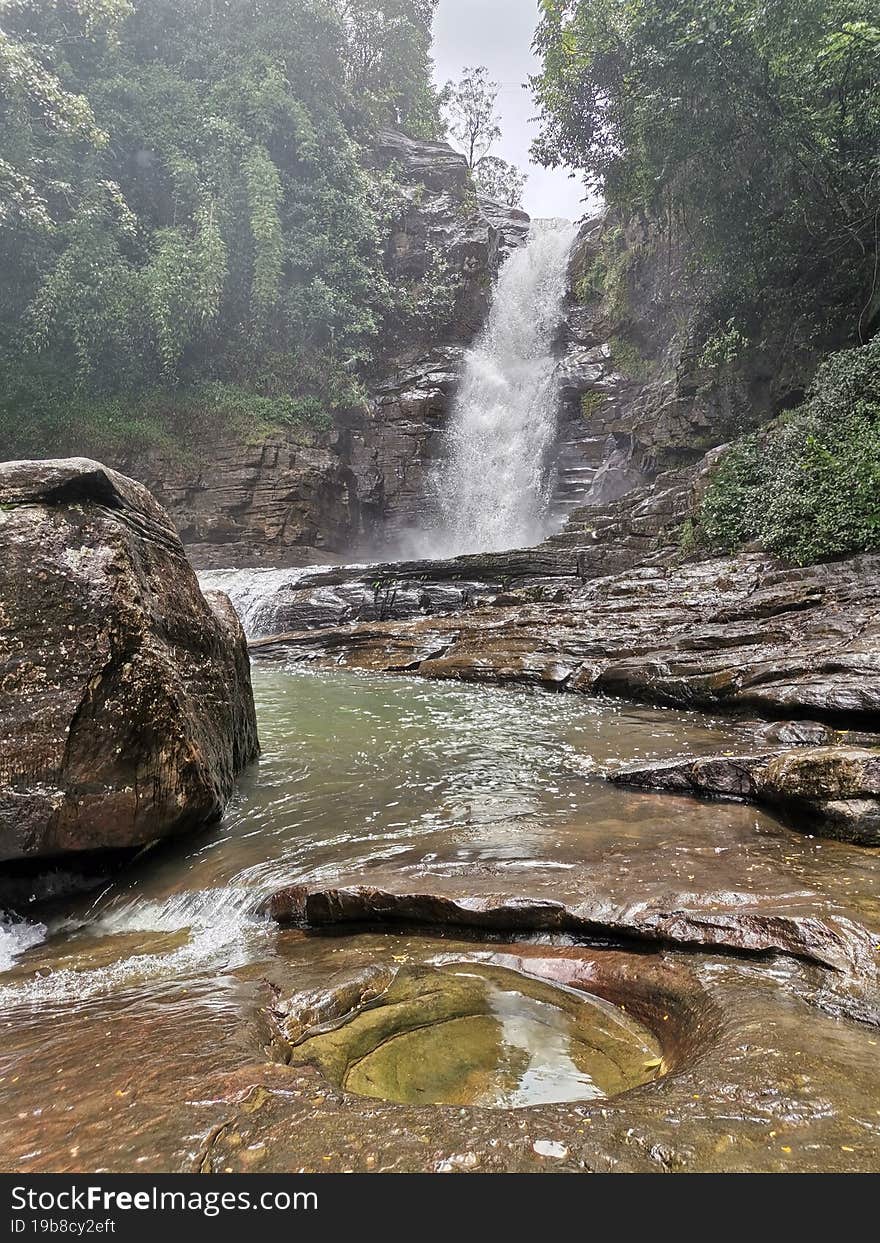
(798, 734)
(746, 951)
(126, 709)
(750, 922)
(466, 1035)
(304, 496)
(284, 499)
(832, 791)
(756, 1078)
(631, 374)
(738, 634)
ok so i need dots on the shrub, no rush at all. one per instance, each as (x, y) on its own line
(591, 403)
(36, 421)
(808, 487)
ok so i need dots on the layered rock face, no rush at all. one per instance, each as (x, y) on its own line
(739, 634)
(126, 710)
(304, 497)
(833, 790)
(640, 393)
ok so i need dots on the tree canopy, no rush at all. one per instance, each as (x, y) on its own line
(757, 124)
(185, 198)
(471, 111)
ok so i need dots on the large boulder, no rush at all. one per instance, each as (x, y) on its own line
(126, 709)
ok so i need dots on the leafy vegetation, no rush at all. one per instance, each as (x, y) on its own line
(131, 423)
(591, 403)
(187, 206)
(470, 106)
(753, 129)
(808, 488)
(748, 133)
(627, 359)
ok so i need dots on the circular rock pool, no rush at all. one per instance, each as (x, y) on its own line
(475, 1035)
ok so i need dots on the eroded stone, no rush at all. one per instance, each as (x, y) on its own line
(468, 1034)
(832, 791)
(126, 709)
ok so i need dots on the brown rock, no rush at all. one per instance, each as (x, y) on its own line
(126, 709)
(738, 634)
(832, 791)
(765, 926)
(798, 733)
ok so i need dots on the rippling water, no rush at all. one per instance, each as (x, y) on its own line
(359, 776)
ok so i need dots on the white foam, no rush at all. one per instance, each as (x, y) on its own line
(16, 936)
(491, 493)
(222, 935)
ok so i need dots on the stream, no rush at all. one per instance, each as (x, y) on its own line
(137, 998)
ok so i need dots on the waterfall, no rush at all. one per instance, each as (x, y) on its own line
(490, 493)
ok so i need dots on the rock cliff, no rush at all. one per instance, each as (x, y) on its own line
(305, 497)
(644, 390)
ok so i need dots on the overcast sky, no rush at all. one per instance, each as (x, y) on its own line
(498, 34)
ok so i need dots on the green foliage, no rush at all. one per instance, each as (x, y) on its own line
(590, 284)
(389, 61)
(808, 488)
(471, 111)
(603, 276)
(187, 199)
(40, 416)
(626, 357)
(591, 403)
(687, 539)
(723, 347)
(502, 181)
(753, 129)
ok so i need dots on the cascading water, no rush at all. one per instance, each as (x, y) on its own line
(491, 491)
(258, 595)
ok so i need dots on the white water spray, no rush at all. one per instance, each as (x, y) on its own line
(221, 931)
(16, 936)
(491, 491)
(258, 595)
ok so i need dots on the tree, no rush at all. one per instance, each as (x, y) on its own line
(188, 200)
(474, 122)
(389, 61)
(500, 180)
(755, 126)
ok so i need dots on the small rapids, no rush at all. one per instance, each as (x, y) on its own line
(16, 936)
(121, 1005)
(257, 595)
(183, 935)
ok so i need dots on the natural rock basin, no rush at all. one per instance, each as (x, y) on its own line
(484, 1036)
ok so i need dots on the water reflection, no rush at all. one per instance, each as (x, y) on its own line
(483, 1036)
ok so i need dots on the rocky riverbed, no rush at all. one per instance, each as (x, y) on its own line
(397, 829)
(559, 858)
(741, 634)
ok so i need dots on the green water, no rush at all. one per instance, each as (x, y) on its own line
(486, 1037)
(117, 1011)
